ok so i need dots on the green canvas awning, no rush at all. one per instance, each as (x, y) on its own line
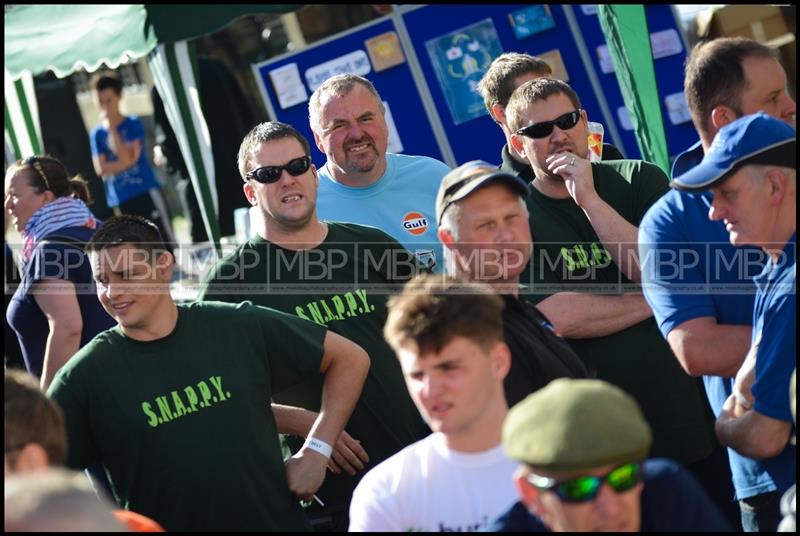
(66, 38)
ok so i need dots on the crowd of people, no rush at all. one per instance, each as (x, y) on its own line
(569, 345)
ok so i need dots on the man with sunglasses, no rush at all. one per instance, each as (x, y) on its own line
(584, 273)
(507, 72)
(337, 275)
(361, 182)
(583, 446)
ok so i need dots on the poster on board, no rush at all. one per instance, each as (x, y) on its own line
(460, 58)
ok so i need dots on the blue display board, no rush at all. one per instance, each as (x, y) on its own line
(662, 25)
(451, 44)
(481, 137)
(395, 85)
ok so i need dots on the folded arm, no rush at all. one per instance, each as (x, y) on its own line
(751, 434)
(578, 315)
(348, 454)
(705, 347)
(345, 366)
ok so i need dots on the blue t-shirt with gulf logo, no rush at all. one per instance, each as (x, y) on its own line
(401, 203)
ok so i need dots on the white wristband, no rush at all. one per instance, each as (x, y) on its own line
(319, 446)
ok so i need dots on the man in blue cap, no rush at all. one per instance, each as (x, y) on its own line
(699, 286)
(750, 169)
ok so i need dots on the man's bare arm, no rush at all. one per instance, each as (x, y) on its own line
(578, 315)
(705, 347)
(345, 366)
(752, 434)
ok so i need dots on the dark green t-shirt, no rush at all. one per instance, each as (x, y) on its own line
(183, 425)
(342, 284)
(569, 256)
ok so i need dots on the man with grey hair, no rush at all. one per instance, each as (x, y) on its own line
(584, 269)
(56, 500)
(483, 224)
(507, 72)
(751, 170)
(710, 332)
(337, 275)
(361, 182)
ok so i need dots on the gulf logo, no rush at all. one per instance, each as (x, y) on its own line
(415, 223)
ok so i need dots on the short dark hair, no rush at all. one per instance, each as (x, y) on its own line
(433, 309)
(497, 84)
(715, 76)
(31, 417)
(264, 132)
(43, 173)
(536, 90)
(128, 229)
(100, 82)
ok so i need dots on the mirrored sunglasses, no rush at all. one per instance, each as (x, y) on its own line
(545, 128)
(270, 174)
(586, 488)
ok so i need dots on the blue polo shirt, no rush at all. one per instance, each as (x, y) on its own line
(774, 335)
(690, 270)
(133, 182)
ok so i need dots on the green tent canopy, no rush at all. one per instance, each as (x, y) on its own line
(66, 38)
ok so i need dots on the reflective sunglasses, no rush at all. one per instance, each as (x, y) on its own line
(545, 128)
(270, 174)
(585, 488)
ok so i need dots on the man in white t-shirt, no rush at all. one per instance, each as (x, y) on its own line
(448, 336)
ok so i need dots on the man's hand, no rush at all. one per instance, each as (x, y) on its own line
(348, 455)
(577, 175)
(305, 472)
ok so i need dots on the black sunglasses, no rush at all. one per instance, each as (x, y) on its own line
(545, 128)
(270, 174)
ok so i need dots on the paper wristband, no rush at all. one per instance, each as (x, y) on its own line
(320, 446)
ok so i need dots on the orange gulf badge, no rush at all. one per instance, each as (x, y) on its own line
(415, 223)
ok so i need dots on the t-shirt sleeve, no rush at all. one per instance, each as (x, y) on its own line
(776, 359)
(220, 281)
(95, 140)
(668, 277)
(369, 509)
(55, 261)
(294, 346)
(136, 130)
(67, 389)
(650, 185)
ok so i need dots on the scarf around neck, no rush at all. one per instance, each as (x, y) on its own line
(58, 214)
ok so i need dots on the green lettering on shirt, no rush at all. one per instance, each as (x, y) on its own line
(216, 381)
(316, 315)
(182, 402)
(163, 407)
(362, 294)
(337, 307)
(152, 418)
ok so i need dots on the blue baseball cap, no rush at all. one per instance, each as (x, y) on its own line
(752, 139)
